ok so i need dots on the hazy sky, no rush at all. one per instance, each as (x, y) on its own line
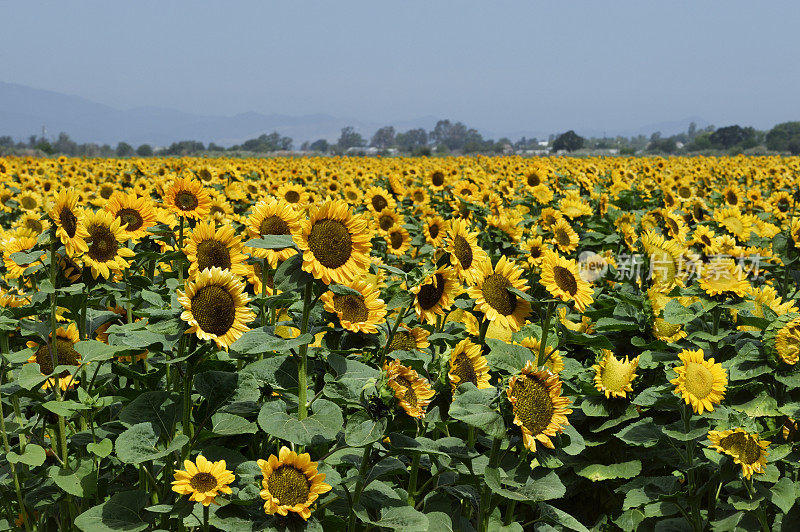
(494, 65)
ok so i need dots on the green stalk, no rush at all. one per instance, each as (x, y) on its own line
(400, 318)
(362, 471)
(205, 518)
(180, 248)
(762, 518)
(264, 266)
(62, 429)
(541, 360)
(696, 520)
(486, 496)
(302, 363)
(7, 448)
(412, 479)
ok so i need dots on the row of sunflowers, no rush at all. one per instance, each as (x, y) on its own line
(414, 344)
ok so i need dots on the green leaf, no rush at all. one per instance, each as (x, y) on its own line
(140, 444)
(290, 275)
(159, 407)
(29, 376)
(101, 449)
(642, 433)
(506, 357)
(321, 426)
(342, 290)
(94, 351)
(598, 472)
(361, 430)
(677, 314)
(763, 405)
(278, 371)
(33, 456)
(225, 424)
(473, 407)
(257, 341)
(403, 518)
(576, 441)
(561, 518)
(271, 242)
(351, 377)
(123, 511)
(64, 408)
(545, 488)
(80, 482)
(784, 494)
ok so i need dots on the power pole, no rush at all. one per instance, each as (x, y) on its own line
(44, 132)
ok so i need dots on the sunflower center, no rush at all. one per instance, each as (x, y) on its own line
(410, 396)
(783, 205)
(734, 443)
(433, 230)
(699, 380)
(536, 251)
(65, 356)
(68, 221)
(463, 368)
(685, 192)
(103, 246)
(495, 291)
(289, 485)
(130, 217)
(462, 251)
(565, 280)
(402, 341)
(273, 225)
(28, 202)
(672, 225)
(734, 224)
(562, 237)
(533, 405)
(533, 180)
(330, 242)
(214, 309)
(292, 196)
(34, 225)
(430, 294)
(437, 178)
(731, 198)
(106, 191)
(203, 482)
(385, 222)
(186, 201)
(351, 308)
(212, 253)
(615, 375)
(418, 196)
(396, 239)
(379, 203)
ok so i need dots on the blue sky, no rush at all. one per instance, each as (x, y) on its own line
(496, 65)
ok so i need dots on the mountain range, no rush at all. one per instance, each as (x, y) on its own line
(25, 110)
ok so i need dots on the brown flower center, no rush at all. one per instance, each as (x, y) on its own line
(66, 355)
(289, 485)
(495, 291)
(103, 244)
(565, 280)
(212, 253)
(437, 178)
(430, 293)
(292, 196)
(402, 341)
(203, 482)
(462, 251)
(379, 203)
(533, 405)
(186, 201)
(131, 217)
(385, 222)
(351, 308)
(68, 221)
(330, 242)
(396, 239)
(214, 309)
(463, 368)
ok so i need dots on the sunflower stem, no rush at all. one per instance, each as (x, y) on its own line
(400, 318)
(486, 496)
(362, 471)
(62, 429)
(762, 518)
(696, 520)
(412, 479)
(541, 360)
(264, 266)
(302, 363)
(180, 248)
(7, 448)
(205, 518)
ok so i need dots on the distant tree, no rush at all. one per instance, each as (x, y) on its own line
(44, 146)
(144, 150)
(411, 140)
(124, 149)
(453, 136)
(692, 131)
(350, 138)
(730, 136)
(305, 146)
(184, 147)
(6, 142)
(569, 141)
(702, 141)
(215, 147)
(779, 137)
(65, 145)
(667, 145)
(268, 143)
(383, 138)
(320, 145)
(793, 146)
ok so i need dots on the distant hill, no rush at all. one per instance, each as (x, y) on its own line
(24, 110)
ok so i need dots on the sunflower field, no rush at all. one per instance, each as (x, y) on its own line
(400, 344)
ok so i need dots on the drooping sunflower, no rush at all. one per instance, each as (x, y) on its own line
(69, 227)
(468, 365)
(66, 355)
(357, 313)
(215, 306)
(335, 243)
(561, 277)
(202, 480)
(585, 326)
(493, 298)
(413, 392)
(407, 339)
(435, 294)
(105, 254)
(434, 230)
(135, 213)
(466, 255)
(209, 247)
(746, 449)
(539, 408)
(291, 483)
(614, 377)
(700, 382)
(551, 360)
(722, 276)
(271, 216)
(187, 197)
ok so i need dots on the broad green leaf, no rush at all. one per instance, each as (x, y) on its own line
(225, 424)
(140, 444)
(598, 472)
(642, 433)
(362, 430)
(29, 376)
(80, 482)
(545, 488)
(403, 518)
(351, 378)
(322, 425)
(762, 405)
(257, 341)
(33, 456)
(271, 242)
(159, 407)
(93, 351)
(473, 407)
(561, 518)
(784, 494)
(101, 449)
(123, 511)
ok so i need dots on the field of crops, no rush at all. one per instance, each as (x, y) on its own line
(412, 344)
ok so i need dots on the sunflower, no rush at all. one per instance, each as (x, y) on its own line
(335, 243)
(203, 480)
(387, 219)
(564, 236)
(209, 248)
(293, 194)
(437, 180)
(468, 365)
(215, 306)
(398, 241)
(465, 254)
(787, 342)
(539, 408)
(413, 392)
(271, 216)
(187, 197)
(406, 339)
(585, 326)
(722, 276)
(666, 258)
(69, 228)
(534, 249)
(418, 196)
(32, 222)
(291, 483)
(66, 355)
(377, 199)
(134, 212)
(701, 383)
(435, 294)
(735, 222)
(18, 244)
(561, 277)
(29, 200)
(746, 449)
(574, 207)
(434, 230)
(255, 276)
(493, 298)
(613, 376)
(105, 254)
(357, 313)
(552, 360)
(666, 331)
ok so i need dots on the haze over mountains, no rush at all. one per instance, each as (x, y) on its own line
(24, 110)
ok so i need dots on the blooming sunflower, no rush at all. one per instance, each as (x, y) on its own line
(413, 392)
(215, 306)
(135, 213)
(357, 313)
(746, 449)
(564, 236)
(666, 258)
(32, 222)
(539, 408)
(376, 199)
(335, 243)
(271, 216)
(701, 383)
(105, 254)
(435, 294)
(291, 483)
(220, 248)
(388, 219)
(722, 276)
(17, 244)
(66, 355)
(293, 194)
(187, 197)
(203, 480)
(69, 228)
(398, 241)
(561, 277)
(406, 339)
(465, 254)
(551, 360)
(493, 298)
(434, 230)
(787, 342)
(535, 249)
(613, 376)
(468, 365)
